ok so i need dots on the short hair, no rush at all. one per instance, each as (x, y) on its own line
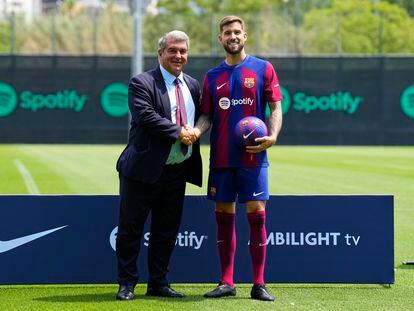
(176, 36)
(230, 19)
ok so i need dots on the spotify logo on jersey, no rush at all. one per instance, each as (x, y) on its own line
(407, 101)
(8, 99)
(114, 100)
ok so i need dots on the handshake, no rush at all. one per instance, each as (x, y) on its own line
(189, 135)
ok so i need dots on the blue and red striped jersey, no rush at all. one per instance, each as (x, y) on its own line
(231, 93)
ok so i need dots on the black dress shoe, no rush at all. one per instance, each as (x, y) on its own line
(125, 292)
(259, 292)
(163, 291)
(222, 290)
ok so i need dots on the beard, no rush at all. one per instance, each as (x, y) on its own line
(231, 51)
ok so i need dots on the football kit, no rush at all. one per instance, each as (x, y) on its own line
(231, 93)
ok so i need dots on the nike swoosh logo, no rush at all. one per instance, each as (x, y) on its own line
(220, 241)
(276, 85)
(256, 194)
(6, 246)
(245, 136)
(221, 85)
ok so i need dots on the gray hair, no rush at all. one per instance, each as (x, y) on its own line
(175, 35)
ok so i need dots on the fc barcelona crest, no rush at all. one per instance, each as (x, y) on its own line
(249, 82)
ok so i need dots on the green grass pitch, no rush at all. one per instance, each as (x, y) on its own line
(86, 169)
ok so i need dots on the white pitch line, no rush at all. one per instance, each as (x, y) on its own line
(28, 180)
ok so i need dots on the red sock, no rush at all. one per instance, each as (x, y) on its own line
(257, 247)
(226, 242)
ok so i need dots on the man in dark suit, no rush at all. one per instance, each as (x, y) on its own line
(160, 157)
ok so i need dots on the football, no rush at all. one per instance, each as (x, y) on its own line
(247, 130)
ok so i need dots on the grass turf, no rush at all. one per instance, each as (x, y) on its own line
(78, 169)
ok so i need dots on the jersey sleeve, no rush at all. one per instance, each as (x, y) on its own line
(206, 103)
(271, 85)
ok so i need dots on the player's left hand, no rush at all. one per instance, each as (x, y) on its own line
(264, 143)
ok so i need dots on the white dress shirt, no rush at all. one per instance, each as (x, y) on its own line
(176, 156)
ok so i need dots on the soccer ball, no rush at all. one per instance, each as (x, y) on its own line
(247, 129)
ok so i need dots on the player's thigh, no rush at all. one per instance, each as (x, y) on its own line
(252, 184)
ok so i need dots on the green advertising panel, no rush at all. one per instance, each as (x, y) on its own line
(337, 101)
(114, 100)
(66, 99)
(8, 99)
(286, 100)
(407, 102)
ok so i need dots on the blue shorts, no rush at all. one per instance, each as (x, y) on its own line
(249, 184)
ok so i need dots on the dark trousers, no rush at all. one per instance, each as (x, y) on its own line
(165, 201)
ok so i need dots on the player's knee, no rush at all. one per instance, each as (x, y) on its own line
(255, 206)
(228, 208)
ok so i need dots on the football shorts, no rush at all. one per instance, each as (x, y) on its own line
(247, 184)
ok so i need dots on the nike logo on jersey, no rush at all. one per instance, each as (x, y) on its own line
(256, 194)
(6, 246)
(221, 85)
(245, 136)
(276, 85)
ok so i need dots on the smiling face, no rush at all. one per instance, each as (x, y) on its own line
(174, 57)
(232, 38)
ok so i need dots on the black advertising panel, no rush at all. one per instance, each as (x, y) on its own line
(64, 100)
(347, 100)
(327, 100)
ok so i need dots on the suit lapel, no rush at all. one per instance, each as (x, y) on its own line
(162, 89)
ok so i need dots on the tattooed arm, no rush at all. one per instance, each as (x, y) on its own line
(202, 125)
(274, 126)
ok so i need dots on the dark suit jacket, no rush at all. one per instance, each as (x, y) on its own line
(152, 133)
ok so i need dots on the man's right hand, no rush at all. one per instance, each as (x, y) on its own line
(188, 135)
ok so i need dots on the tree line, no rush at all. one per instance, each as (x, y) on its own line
(275, 27)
